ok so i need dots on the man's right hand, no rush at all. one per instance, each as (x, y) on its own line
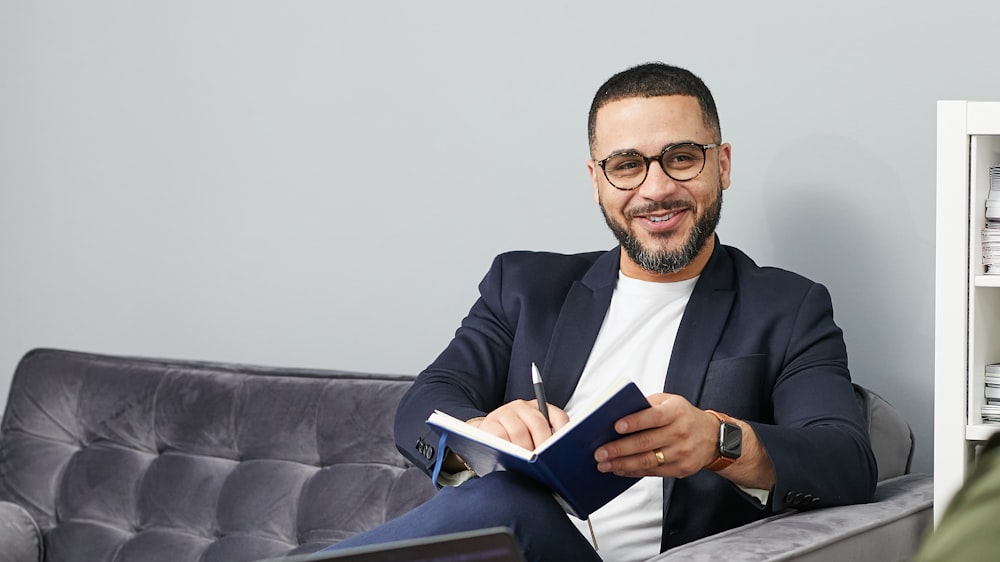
(521, 423)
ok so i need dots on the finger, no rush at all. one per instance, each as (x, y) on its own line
(661, 411)
(515, 429)
(635, 454)
(521, 423)
(646, 463)
(494, 427)
(653, 463)
(672, 425)
(658, 398)
(631, 445)
(536, 424)
(557, 417)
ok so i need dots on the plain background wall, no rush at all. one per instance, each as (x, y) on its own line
(323, 184)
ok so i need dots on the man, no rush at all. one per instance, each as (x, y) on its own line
(718, 345)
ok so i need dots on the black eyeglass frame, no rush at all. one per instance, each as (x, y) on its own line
(659, 159)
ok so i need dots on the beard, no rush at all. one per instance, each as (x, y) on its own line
(665, 260)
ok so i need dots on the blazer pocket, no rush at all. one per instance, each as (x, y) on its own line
(733, 386)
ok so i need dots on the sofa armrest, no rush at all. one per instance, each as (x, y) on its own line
(20, 538)
(890, 528)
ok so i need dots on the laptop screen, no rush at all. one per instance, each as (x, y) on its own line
(495, 544)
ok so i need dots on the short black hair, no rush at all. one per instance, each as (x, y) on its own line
(655, 79)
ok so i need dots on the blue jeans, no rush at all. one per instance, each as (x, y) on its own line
(499, 499)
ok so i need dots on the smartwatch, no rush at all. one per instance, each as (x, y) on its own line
(730, 442)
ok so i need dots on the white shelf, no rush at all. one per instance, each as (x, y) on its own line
(988, 280)
(981, 431)
(983, 117)
(967, 302)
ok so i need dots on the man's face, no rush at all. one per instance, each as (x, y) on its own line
(665, 226)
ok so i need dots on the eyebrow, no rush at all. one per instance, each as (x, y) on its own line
(662, 148)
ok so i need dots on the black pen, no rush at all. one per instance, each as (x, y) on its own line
(536, 381)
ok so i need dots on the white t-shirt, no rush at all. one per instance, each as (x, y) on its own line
(635, 340)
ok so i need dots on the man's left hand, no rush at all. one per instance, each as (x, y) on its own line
(674, 438)
(685, 436)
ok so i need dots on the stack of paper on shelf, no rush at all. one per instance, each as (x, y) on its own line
(991, 409)
(991, 232)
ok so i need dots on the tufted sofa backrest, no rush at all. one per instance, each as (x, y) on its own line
(122, 459)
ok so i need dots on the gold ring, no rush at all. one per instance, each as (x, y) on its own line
(659, 457)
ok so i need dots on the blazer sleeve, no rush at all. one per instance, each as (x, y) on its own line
(819, 441)
(467, 379)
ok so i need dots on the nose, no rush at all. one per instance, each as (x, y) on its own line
(657, 185)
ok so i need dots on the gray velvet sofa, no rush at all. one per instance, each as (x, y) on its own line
(108, 458)
(126, 459)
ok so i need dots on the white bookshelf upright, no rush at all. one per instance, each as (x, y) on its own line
(967, 302)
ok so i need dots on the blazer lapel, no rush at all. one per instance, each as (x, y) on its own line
(698, 334)
(576, 329)
(701, 327)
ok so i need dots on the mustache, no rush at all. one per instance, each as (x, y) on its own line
(648, 208)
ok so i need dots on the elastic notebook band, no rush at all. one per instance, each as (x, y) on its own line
(439, 462)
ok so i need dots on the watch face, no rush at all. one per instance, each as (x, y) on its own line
(731, 440)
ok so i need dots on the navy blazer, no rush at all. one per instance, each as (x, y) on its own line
(759, 344)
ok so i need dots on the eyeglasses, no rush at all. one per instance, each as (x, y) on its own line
(682, 162)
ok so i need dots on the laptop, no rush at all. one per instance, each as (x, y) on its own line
(496, 544)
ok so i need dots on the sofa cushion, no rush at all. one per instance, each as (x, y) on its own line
(128, 458)
(20, 538)
(889, 528)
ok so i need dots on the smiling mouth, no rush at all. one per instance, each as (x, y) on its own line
(658, 212)
(662, 218)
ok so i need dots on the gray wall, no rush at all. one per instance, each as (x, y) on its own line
(322, 184)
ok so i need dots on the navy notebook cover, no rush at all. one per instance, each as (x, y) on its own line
(565, 463)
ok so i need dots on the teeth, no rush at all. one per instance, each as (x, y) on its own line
(663, 218)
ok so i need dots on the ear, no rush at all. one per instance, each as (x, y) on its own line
(725, 162)
(593, 169)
